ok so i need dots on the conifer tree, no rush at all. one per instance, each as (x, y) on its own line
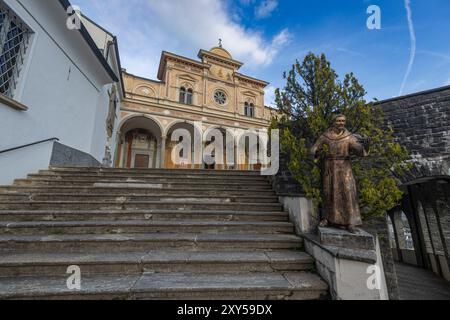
(312, 95)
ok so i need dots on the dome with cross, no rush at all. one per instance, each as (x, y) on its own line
(220, 51)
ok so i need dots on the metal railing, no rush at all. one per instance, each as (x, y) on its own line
(28, 145)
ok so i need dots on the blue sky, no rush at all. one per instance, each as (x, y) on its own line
(268, 35)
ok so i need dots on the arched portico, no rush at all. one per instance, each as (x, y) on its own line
(220, 148)
(140, 143)
(179, 153)
(249, 148)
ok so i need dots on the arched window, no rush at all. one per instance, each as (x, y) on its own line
(186, 95)
(189, 96)
(249, 109)
(182, 95)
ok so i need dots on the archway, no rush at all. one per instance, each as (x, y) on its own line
(139, 143)
(404, 242)
(250, 148)
(219, 149)
(180, 154)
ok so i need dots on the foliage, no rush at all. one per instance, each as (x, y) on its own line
(312, 96)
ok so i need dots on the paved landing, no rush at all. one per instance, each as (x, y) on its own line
(420, 284)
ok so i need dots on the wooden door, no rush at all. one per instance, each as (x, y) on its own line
(141, 161)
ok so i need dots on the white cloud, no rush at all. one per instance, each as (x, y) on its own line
(269, 96)
(145, 28)
(442, 56)
(265, 8)
(412, 36)
(200, 23)
(350, 52)
(281, 38)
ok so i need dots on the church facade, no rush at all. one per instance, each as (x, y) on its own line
(195, 95)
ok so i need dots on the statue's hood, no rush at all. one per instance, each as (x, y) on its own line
(331, 135)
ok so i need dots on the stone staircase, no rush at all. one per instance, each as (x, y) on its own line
(150, 234)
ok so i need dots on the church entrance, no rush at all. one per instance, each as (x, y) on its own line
(219, 149)
(141, 149)
(139, 144)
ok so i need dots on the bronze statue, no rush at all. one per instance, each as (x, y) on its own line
(340, 200)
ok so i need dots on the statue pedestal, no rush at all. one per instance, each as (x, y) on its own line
(349, 262)
(360, 240)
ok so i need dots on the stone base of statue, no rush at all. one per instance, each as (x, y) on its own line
(359, 240)
(350, 262)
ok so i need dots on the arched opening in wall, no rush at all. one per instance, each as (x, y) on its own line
(219, 149)
(189, 96)
(186, 96)
(183, 147)
(392, 235)
(249, 110)
(404, 243)
(182, 98)
(139, 144)
(401, 237)
(249, 149)
(432, 237)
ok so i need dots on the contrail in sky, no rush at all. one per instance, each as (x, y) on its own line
(412, 35)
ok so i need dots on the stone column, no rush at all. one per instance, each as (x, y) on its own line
(162, 152)
(399, 228)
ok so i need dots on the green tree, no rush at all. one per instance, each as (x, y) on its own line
(312, 95)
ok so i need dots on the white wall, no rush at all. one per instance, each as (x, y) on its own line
(99, 134)
(348, 279)
(62, 84)
(17, 164)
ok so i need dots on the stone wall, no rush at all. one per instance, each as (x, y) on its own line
(421, 123)
(65, 156)
(378, 227)
(432, 202)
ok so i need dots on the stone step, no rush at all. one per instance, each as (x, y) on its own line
(148, 241)
(132, 190)
(143, 226)
(245, 285)
(150, 175)
(150, 215)
(150, 234)
(149, 184)
(146, 179)
(205, 172)
(180, 204)
(56, 263)
(131, 198)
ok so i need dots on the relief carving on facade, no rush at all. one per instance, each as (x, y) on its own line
(145, 91)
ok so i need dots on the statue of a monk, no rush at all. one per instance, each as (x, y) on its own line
(340, 200)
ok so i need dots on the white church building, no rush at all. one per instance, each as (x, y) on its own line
(60, 88)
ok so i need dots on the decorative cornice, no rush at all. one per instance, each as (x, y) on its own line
(216, 58)
(141, 78)
(168, 55)
(251, 80)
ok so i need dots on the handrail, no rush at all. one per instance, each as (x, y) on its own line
(28, 145)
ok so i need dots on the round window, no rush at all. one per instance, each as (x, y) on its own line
(220, 97)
